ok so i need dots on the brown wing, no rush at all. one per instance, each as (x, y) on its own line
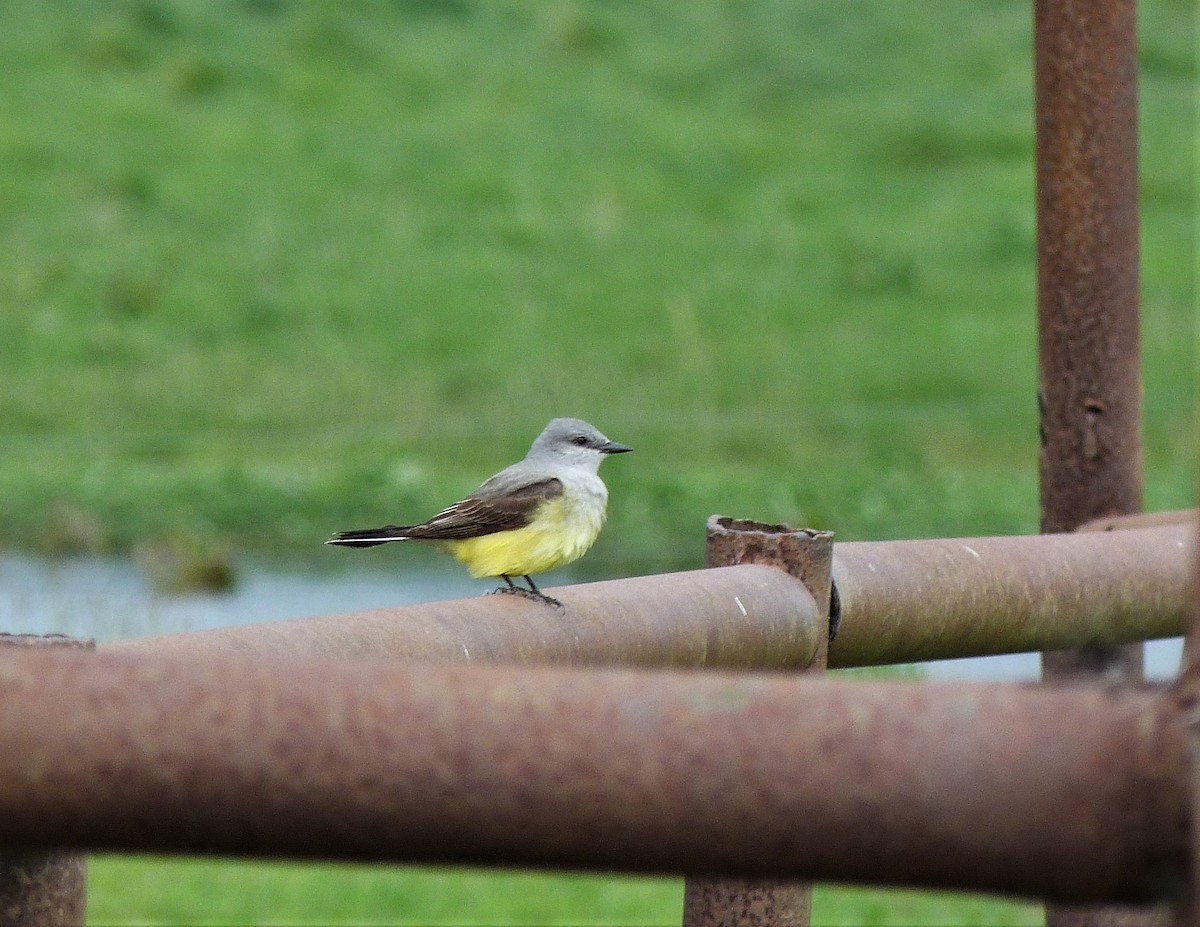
(475, 517)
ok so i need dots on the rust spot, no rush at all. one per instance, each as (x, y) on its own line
(1092, 446)
(1041, 402)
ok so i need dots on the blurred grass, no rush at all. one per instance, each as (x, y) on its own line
(270, 268)
(203, 893)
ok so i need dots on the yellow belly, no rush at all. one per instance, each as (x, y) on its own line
(559, 534)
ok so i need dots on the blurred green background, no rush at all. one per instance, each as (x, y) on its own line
(270, 268)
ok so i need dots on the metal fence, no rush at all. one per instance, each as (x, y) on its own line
(479, 732)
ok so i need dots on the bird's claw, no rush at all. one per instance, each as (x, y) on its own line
(527, 594)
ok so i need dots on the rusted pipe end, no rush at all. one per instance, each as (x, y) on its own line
(46, 640)
(742, 540)
(724, 522)
(722, 526)
(805, 553)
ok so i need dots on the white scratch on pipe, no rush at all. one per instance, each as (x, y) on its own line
(466, 652)
(741, 607)
(972, 551)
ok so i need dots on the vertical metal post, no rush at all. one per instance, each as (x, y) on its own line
(1088, 332)
(807, 555)
(1187, 701)
(1089, 362)
(43, 888)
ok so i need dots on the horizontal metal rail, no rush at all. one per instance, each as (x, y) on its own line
(1143, 520)
(908, 601)
(1072, 794)
(738, 617)
(895, 602)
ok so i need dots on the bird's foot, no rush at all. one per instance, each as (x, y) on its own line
(527, 594)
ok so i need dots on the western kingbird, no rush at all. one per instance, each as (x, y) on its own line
(541, 513)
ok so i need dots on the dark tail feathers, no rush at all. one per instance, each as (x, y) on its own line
(369, 537)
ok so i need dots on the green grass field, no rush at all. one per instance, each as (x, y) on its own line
(269, 268)
(146, 890)
(274, 268)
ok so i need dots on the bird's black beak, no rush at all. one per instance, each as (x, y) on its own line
(612, 447)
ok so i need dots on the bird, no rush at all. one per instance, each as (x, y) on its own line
(538, 514)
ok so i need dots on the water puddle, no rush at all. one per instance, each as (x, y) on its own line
(110, 598)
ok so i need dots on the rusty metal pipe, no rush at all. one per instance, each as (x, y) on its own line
(746, 616)
(1089, 351)
(1089, 342)
(1071, 793)
(907, 601)
(1142, 520)
(898, 601)
(1187, 697)
(807, 555)
(1087, 245)
(44, 887)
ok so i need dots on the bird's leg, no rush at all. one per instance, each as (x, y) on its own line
(511, 584)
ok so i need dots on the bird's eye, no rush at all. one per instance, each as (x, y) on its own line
(580, 440)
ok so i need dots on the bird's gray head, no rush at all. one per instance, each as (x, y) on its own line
(574, 442)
